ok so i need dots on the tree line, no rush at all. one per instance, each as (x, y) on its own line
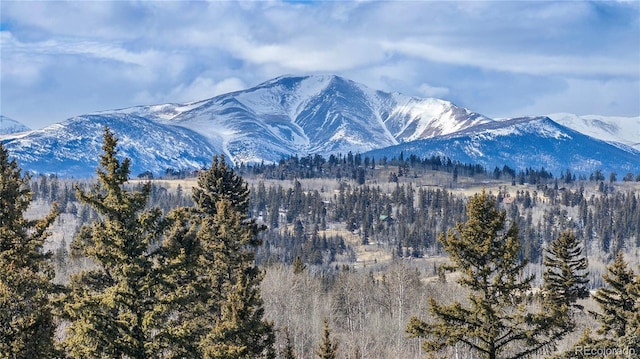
(297, 217)
(357, 167)
(407, 221)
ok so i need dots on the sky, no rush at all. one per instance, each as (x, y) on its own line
(499, 58)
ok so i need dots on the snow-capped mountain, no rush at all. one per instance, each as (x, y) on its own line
(624, 130)
(309, 115)
(521, 143)
(72, 148)
(9, 126)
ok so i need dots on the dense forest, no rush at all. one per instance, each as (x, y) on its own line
(309, 204)
(353, 258)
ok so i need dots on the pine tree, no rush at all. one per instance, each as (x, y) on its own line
(26, 321)
(298, 266)
(219, 182)
(496, 323)
(327, 349)
(585, 341)
(240, 331)
(618, 300)
(565, 276)
(181, 293)
(619, 316)
(112, 309)
(227, 240)
(631, 339)
(223, 317)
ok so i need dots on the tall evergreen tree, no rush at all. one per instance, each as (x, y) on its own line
(224, 315)
(618, 300)
(565, 276)
(631, 339)
(228, 241)
(218, 182)
(328, 349)
(26, 321)
(496, 323)
(181, 293)
(112, 309)
(619, 316)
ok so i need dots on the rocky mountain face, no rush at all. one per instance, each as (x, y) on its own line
(311, 115)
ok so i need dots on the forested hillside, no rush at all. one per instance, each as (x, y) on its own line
(358, 242)
(321, 209)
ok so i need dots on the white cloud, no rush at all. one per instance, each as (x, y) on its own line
(587, 97)
(433, 91)
(170, 51)
(79, 47)
(21, 67)
(305, 56)
(518, 62)
(203, 88)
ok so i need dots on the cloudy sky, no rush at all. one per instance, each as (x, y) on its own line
(499, 58)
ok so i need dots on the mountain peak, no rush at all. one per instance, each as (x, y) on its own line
(288, 115)
(9, 126)
(290, 82)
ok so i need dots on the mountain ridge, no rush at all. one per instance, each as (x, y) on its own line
(285, 111)
(72, 148)
(287, 115)
(625, 130)
(526, 142)
(10, 126)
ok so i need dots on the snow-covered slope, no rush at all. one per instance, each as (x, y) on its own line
(624, 130)
(72, 148)
(316, 115)
(521, 143)
(310, 114)
(9, 126)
